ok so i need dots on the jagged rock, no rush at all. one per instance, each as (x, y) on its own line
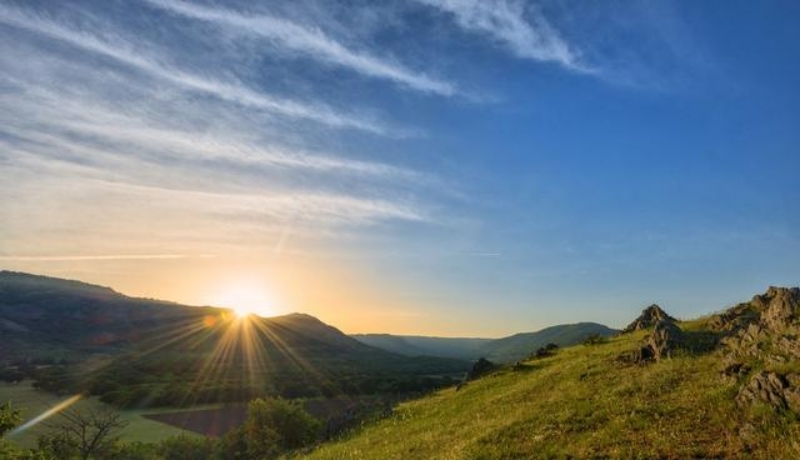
(775, 329)
(792, 392)
(790, 345)
(766, 330)
(765, 387)
(664, 339)
(660, 344)
(777, 309)
(480, 368)
(783, 309)
(649, 318)
(734, 318)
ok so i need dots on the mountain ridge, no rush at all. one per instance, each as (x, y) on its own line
(162, 353)
(507, 349)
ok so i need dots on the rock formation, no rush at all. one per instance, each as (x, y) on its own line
(666, 337)
(763, 335)
(648, 319)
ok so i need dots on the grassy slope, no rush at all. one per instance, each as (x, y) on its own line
(580, 403)
(32, 402)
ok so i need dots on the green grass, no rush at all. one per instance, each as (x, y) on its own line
(33, 402)
(580, 403)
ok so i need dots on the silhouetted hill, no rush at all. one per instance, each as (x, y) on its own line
(46, 318)
(649, 317)
(134, 351)
(522, 345)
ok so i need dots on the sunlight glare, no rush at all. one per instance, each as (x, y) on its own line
(246, 297)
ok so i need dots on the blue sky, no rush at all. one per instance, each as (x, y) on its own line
(423, 166)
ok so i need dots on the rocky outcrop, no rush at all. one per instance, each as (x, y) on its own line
(649, 318)
(773, 389)
(763, 335)
(665, 339)
(734, 318)
(772, 334)
(782, 308)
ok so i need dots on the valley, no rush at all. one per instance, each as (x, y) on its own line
(724, 385)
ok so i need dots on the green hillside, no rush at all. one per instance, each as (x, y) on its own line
(710, 395)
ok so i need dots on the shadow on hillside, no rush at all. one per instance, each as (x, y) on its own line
(700, 342)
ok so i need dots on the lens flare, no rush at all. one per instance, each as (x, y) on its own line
(50, 412)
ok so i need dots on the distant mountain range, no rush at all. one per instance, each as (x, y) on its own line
(461, 348)
(72, 337)
(505, 350)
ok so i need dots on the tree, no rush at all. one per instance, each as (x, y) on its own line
(274, 426)
(594, 339)
(9, 418)
(83, 433)
(187, 447)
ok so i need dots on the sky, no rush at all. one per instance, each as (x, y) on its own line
(435, 167)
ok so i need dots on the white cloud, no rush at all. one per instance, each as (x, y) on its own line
(228, 91)
(310, 42)
(116, 147)
(524, 31)
(49, 117)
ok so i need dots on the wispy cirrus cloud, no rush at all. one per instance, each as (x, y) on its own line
(114, 146)
(520, 27)
(54, 121)
(310, 42)
(234, 92)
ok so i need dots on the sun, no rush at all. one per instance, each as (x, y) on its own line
(242, 311)
(246, 297)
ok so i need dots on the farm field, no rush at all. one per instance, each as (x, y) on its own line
(156, 424)
(215, 421)
(32, 402)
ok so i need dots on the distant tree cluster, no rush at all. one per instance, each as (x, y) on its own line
(595, 339)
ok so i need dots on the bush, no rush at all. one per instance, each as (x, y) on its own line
(594, 339)
(187, 447)
(275, 426)
(9, 418)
